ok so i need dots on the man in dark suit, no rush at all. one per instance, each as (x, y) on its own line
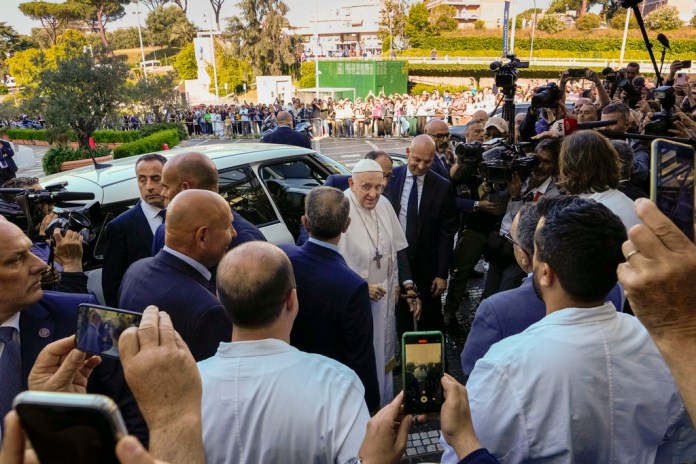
(30, 319)
(285, 134)
(196, 171)
(337, 324)
(427, 215)
(8, 168)
(439, 131)
(128, 237)
(177, 279)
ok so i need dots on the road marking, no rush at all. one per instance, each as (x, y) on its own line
(354, 155)
(374, 147)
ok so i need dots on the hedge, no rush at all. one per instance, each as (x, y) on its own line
(115, 136)
(418, 88)
(443, 44)
(478, 71)
(55, 156)
(100, 136)
(27, 134)
(151, 143)
(149, 129)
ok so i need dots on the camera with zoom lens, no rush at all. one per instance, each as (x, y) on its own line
(506, 74)
(547, 96)
(663, 121)
(500, 163)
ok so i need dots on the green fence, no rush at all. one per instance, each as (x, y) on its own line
(363, 76)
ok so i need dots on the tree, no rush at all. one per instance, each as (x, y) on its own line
(158, 94)
(417, 24)
(551, 24)
(185, 63)
(53, 16)
(101, 12)
(258, 36)
(588, 22)
(230, 70)
(183, 4)
(664, 18)
(394, 12)
(78, 93)
(152, 5)
(442, 18)
(8, 111)
(169, 26)
(123, 38)
(217, 6)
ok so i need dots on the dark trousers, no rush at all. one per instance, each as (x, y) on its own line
(504, 278)
(388, 123)
(420, 124)
(467, 252)
(6, 174)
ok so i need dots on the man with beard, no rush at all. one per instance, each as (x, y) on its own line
(586, 383)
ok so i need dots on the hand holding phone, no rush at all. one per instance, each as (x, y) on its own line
(100, 327)
(422, 363)
(62, 368)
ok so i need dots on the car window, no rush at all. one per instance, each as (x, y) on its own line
(108, 212)
(243, 191)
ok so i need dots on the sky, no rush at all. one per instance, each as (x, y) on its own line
(197, 9)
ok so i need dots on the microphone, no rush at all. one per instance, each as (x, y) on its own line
(567, 126)
(663, 40)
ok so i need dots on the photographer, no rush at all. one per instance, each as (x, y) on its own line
(641, 158)
(546, 107)
(590, 75)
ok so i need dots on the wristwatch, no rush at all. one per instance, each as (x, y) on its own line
(476, 206)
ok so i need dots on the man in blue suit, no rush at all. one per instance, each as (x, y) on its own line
(428, 218)
(196, 171)
(284, 133)
(510, 312)
(128, 237)
(8, 167)
(335, 318)
(177, 279)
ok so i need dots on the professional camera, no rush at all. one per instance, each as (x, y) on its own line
(617, 80)
(506, 74)
(663, 121)
(547, 96)
(502, 162)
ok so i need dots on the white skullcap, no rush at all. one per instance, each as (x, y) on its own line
(367, 165)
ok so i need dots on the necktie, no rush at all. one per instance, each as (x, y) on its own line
(10, 370)
(412, 219)
(442, 167)
(162, 214)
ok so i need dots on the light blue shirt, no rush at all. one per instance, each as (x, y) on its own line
(583, 385)
(265, 401)
(330, 246)
(190, 261)
(406, 192)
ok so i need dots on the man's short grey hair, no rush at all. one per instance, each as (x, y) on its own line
(625, 157)
(529, 218)
(327, 210)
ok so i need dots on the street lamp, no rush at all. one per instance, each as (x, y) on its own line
(531, 46)
(212, 50)
(140, 35)
(316, 48)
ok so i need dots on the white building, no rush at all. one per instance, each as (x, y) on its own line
(470, 11)
(344, 31)
(687, 8)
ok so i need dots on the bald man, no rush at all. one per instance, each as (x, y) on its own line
(424, 204)
(284, 133)
(439, 131)
(194, 170)
(178, 278)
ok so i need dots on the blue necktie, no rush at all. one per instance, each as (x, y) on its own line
(412, 219)
(162, 214)
(10, 370)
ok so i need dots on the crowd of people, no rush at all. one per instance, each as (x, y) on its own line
(581, 350)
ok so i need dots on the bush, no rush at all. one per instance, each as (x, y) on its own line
(149, 144)
(587, 22)
(27, 134)
(619, 21)
(115, 136)
(418, 89)
(55, 156)
(479, 24)
(551, 24)
(692, 23)
(665, 18)
(149, 129)
(308, 77)
(60, 136)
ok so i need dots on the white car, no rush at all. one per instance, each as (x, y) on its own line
(265, 183)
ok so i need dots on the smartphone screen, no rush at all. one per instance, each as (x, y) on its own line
(100, 327)
(681, 78)
(71, 428)
(422, 369)
(672, 182)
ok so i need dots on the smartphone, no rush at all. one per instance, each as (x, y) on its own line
(686, 64)
(422, 361)
(672, 182)
(681, 78)
(71, 428)
(577, 72)
(100, 327)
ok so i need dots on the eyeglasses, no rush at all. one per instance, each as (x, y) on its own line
(440, 136)
(508, 237)
(387, 176)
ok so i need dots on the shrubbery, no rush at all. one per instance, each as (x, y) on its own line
(149, 129)
(62, 136)
(151, 143)
(619, 21)
(115, 136)
(587, 22)
(55, 156)
(479, 24)
(664, 18)
(551, 24)
(418, 89)
(27, 134)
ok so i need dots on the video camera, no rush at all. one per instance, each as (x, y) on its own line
(496, 161)
(617, 80)
(506, 74)
(663, 121)
(547, 96)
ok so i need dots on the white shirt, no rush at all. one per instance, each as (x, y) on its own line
(265, 401)
(618, 203)
(406, 192)
(190, 261)
(151, 214)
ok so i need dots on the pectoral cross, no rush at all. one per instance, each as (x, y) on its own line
(377, 259)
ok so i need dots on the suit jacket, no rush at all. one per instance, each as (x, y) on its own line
(505, 314)
(55, 317)
(246, 232)
(6, 149)
(335, 317)
(128, 238)
(339, 181)
(177, 288)
(287, 136)
(437, 224)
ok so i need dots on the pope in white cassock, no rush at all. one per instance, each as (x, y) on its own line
(370, 247)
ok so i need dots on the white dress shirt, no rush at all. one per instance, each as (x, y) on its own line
(151, 214)
(406, 192)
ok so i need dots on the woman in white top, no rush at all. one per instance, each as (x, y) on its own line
(589, 168)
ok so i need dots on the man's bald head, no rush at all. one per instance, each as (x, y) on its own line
(480, 115)
(283, 118)
(255, 284)
(199, 225)
(420, 154)
(191, 170)
(439, 131)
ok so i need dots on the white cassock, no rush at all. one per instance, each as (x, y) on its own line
(371, 234)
